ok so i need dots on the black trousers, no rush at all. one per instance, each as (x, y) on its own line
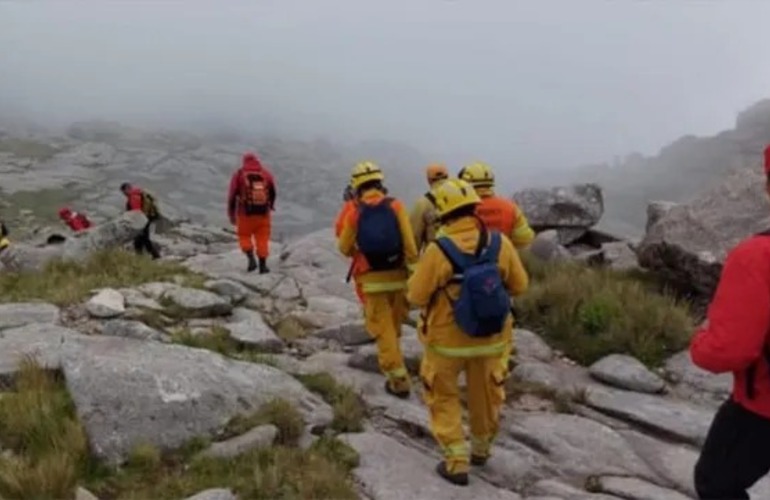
(143, 242)
(736, 454)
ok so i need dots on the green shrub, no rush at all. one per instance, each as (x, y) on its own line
(589, 312)
(349, 409)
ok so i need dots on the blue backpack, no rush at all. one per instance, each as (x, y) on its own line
(378, 236)
(484, 304)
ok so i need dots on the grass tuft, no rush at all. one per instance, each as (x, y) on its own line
(219, 341)
(290, 328)
(67, 283)
(588, 313)
(278, 412)
(47, 456)
(349, 409)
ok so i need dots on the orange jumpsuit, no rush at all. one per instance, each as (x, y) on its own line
(348, 207)
(251, 229)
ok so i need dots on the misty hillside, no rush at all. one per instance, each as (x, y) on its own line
(83, 165)
(681, 170)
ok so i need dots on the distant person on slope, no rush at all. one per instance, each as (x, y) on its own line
(423, 216)
(734, 339)
(77, 221)
(4, 242)
(138, 199)
(250, 201)
(348, 206)
(497, 212)
(378, 235)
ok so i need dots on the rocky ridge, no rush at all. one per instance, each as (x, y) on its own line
(612, 430)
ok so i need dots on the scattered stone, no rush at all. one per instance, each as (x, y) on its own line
(619, 255)
(83, 494)
(576, 445)
(41, 341)
(131, 329)
(389, 470)
(107, 303)
(248, 327)
(236, 292)
(576, 206)
(555, 489)
(23, 313)
(700, 383)
(411, 349)
(538, 373)
(198, 303)
(214, 494)
(529, 346)
(135, 298)
(257, 438)
(676, 419)
(546, 247)
(353, 333)
(176, 392)
(626, 372)
(636, 489)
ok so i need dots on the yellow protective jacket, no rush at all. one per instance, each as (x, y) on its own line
(424, 222)
(429, 286)
(505, 216)
(378, 281)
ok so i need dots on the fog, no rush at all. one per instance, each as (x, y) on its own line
(528, 84)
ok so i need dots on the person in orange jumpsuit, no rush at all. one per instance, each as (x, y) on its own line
(348, 206)
(250, 201)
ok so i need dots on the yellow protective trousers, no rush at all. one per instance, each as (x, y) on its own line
(485, 378)
(384, 313)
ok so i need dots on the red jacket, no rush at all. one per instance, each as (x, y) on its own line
(78, 222)
(134, 199)
(736, 334)
(250, 164)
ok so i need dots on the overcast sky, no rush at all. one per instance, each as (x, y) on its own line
(525, 83)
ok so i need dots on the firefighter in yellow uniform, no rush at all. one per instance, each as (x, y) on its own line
(450, 350)
(498, 213)
(423, 216)
(378, 236)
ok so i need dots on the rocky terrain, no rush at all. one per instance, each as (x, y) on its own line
(84, 165)
(679, 172)
(615, 429)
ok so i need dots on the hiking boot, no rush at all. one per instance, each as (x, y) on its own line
(458, 478)
(252, 262)
(263, 266)
(398, 394)
(479, 460)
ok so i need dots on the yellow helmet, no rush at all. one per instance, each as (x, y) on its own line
(364, 172)
(453, 194)
(478, 174)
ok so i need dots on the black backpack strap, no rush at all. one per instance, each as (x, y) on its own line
(432, 199)
(751, 371)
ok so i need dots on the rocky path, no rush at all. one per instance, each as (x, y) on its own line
(612, 430)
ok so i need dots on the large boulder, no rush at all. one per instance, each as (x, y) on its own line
(128, 392)
(115, 233)
(575, 206)
(687, 243)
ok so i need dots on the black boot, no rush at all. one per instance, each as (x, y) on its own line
(263, 266)
(252, 262)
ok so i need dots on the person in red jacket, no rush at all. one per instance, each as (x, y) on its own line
(138, 199)
(250, 201)
(77, 221)
(734, 338)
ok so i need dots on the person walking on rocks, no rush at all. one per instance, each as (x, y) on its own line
(138, 199)
(348, 206)
(423, 216)
(250, 201)
(377, 235)
(463, 283)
